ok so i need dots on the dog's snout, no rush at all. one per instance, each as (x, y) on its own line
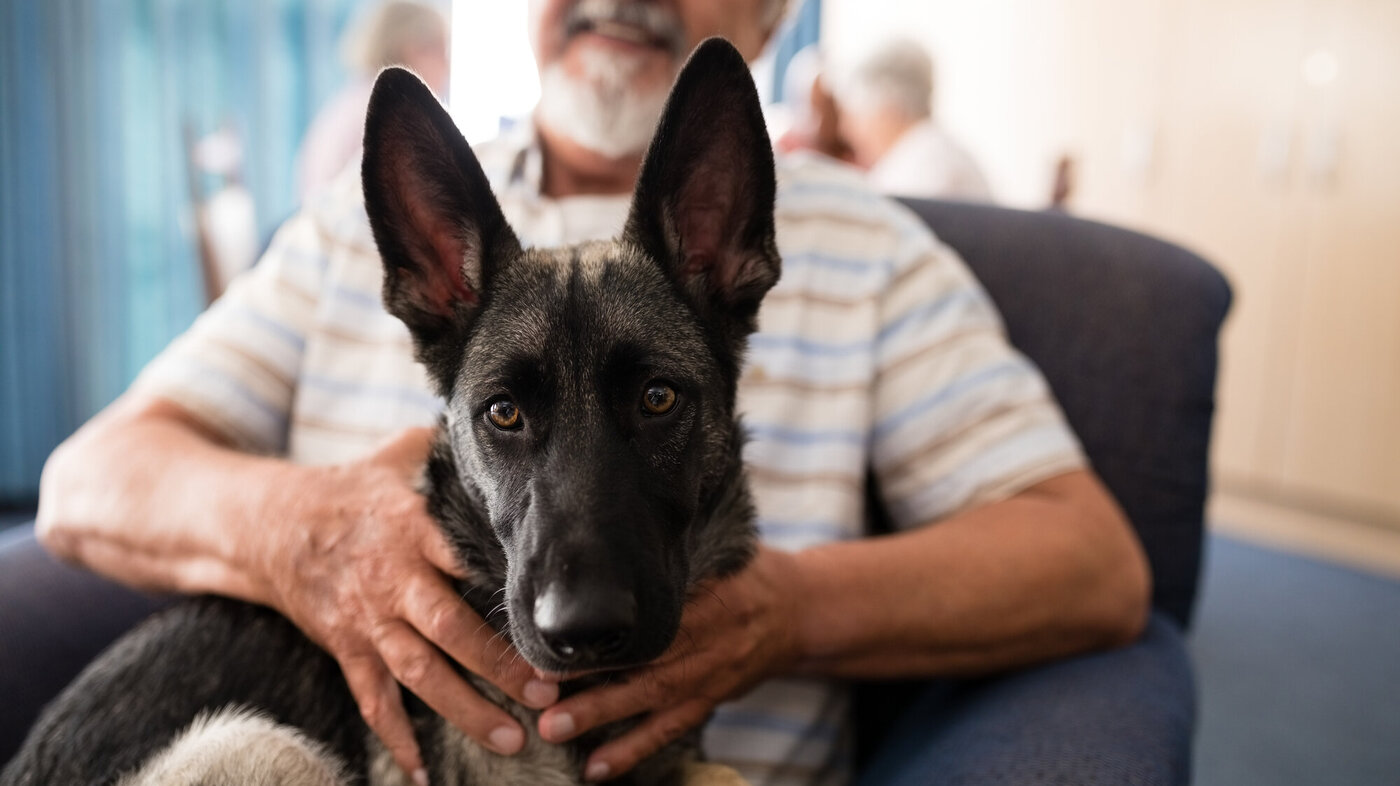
(585, 624)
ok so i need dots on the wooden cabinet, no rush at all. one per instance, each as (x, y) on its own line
(1280, 160)
(1343, 415)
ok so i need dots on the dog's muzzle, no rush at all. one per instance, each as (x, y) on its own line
(585, 625)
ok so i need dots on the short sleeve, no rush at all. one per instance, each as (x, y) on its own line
(960, 417)
(236, 368)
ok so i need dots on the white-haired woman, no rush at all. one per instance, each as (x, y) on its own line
(886, 116)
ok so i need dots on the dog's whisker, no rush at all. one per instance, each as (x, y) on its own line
(504, 650)
(716, 596)
(690, 640)
(684, 666)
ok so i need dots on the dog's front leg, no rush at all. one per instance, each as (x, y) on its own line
(240, 746)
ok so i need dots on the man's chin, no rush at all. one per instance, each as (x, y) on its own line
(611, 113)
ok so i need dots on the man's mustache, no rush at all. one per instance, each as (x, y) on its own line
(645, 23)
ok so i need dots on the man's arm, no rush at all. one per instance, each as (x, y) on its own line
(1055, 570)
(1052, 571)
(149, 495)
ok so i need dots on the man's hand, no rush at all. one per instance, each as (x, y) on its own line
(359, 568)
(734, 634)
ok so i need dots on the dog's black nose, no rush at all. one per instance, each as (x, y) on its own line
(585, 624)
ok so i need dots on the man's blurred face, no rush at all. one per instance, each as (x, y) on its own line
(606, 66)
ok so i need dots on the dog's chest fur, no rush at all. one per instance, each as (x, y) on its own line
(457, 760)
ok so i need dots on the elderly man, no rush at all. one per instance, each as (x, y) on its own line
(269, 453)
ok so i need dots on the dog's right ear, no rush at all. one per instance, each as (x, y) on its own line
(439, 229)
(703, 207)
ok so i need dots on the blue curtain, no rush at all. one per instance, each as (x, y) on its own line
(98, 260)
(803, 28)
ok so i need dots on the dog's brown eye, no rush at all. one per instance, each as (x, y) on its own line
(504, 414)
(658, 399)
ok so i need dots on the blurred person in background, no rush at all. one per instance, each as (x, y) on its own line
(811, 119)
(409, 33)
(886, 106)
(271, 452)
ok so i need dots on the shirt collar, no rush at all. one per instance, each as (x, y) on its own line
(520, 169)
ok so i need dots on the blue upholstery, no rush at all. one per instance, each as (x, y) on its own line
(54, 618)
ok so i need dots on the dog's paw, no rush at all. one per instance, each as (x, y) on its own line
(699, 773)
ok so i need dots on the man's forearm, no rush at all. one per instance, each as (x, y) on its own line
(144, 495)
(1050, 572)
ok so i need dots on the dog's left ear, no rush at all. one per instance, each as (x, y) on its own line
(439, 229)
(704, 200)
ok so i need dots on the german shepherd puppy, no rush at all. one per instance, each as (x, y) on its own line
(587, 466)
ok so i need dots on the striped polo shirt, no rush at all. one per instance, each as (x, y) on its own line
(877, 350)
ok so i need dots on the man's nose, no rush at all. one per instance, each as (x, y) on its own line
(587, 623)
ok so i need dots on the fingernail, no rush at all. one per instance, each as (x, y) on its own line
(540, 694)
(420, 777)
(561, 726)
(597, 771)
(507, 739)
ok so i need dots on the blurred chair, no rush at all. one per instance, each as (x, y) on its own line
(1125, 329)
(225, 217)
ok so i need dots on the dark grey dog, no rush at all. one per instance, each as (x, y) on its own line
(587, 466)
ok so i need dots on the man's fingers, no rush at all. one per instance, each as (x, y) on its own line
(421, 668)
(377, 695)
(409, 447)
(439, 553)
(592, 708)
(651, 735)
(431, 606)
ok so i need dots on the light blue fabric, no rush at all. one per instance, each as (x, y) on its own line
(802, 29)
(98, 261)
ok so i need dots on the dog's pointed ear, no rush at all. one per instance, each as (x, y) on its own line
(439, 229)
(704, 200)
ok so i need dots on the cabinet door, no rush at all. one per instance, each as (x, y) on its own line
(1229, 78)
(1343, 420)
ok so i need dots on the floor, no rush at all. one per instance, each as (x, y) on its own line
(1372, 547)
(1298, 670)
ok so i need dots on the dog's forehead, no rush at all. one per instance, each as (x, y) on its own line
(579, 301)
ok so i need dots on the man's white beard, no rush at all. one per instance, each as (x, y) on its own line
(600, 109)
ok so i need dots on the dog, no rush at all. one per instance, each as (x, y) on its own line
(587, 465)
